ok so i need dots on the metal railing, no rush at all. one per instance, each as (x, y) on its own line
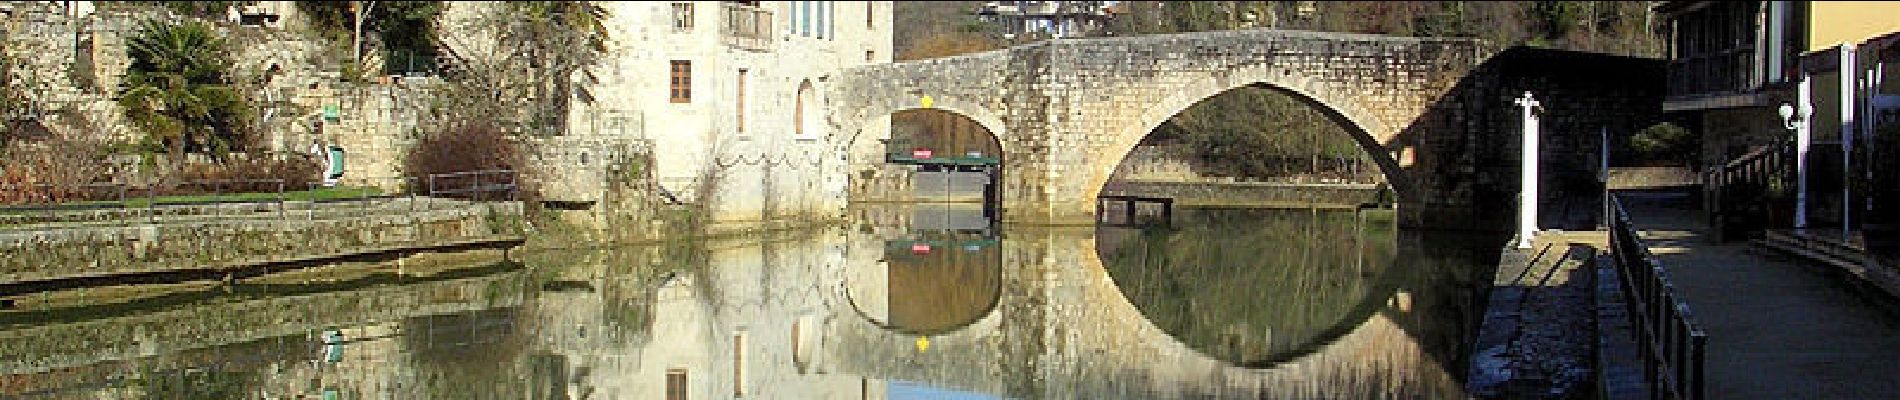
(1671, 345)
(484, 185)
(49, 206)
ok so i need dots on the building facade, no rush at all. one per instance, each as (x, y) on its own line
(1810, 82)
(1730, 65)
(728, 95)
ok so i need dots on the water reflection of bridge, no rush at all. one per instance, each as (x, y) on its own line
(1035, 314)
(1064, 329)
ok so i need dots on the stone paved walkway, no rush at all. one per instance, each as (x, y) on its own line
(1779, 328)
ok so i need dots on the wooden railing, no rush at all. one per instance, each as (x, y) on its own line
(1739, 194)
(744, 26)
(1670, 343)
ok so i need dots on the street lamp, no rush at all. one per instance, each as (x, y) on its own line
(1796, 119)
(1788, 119)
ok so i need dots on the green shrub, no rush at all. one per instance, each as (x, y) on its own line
(1665, 142)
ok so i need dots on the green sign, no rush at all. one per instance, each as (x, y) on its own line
(330, 113)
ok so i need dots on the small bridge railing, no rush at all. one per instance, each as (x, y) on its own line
(1737, 194)
(1671, 345)
(489, 185)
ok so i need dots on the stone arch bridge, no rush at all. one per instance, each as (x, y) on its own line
(1434, 113)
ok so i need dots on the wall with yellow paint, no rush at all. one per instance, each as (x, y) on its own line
(1836, 22)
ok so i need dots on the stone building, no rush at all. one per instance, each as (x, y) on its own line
(730, 95)
(727, 94)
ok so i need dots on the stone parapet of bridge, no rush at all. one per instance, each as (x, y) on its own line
(1433, 113)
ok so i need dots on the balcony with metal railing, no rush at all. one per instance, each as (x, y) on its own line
(745, 26)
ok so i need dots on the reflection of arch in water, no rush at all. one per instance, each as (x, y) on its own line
(1255, 292)
(956, 283)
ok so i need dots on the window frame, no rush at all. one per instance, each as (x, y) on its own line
(677, 385)
(682, 13)
(680, 81)
(740, 101)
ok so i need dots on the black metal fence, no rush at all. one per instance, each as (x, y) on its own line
(1671, 344)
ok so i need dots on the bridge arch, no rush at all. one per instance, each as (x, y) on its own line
(1366, 128)
(854, 125)
(860, 135)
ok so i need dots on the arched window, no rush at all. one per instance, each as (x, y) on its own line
(804, 118)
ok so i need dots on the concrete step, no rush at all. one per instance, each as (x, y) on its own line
(1880, 275)
(1827, 246)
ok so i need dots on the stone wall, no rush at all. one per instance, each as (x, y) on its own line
(1153, 163)
(1582, 94)
(47, 254)
(74, 66)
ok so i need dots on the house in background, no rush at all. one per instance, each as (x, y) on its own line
(1048, 19)
(1730, 66)
(1846, 88)
(1761, 83)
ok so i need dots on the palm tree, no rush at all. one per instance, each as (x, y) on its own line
(177, 92)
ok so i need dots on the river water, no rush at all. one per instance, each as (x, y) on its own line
(912, 301)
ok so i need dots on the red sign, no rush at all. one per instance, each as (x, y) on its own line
(920, 153)
(919, 249)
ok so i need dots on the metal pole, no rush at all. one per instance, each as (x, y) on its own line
(1847, 139)
(1527, 197)
(1131, 211)
(1603, 164)
(1804, 95)
(151, 200)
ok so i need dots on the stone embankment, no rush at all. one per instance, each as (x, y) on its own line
(1539, 333)
(97, 249)
(1254, 193)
